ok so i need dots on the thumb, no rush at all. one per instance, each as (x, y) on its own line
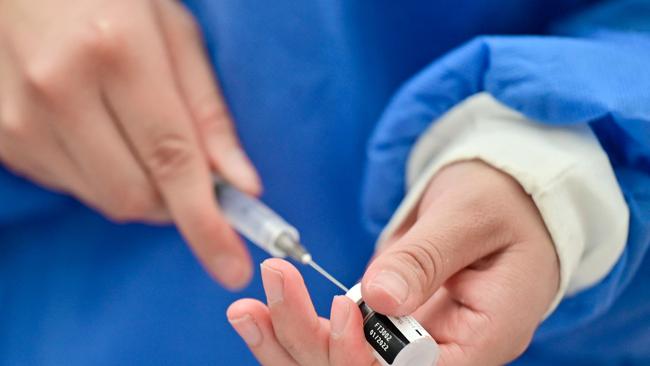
(439, 244)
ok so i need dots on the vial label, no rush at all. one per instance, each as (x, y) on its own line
(391, 336)
(382, 334)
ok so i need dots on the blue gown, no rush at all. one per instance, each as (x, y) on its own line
(307, 82)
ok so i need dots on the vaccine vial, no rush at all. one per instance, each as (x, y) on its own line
(395, 341)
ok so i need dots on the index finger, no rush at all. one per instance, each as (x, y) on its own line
(295, 321)
(202, 95)
(149, 109)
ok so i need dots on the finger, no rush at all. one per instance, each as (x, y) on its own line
(22, 128)
(55, 172)
(18, 136)
(347, 343)
(296, 324)
(452, 231)
(120, 187)
(252, 321)
(116, 183)
(141, 89)
(203, 98)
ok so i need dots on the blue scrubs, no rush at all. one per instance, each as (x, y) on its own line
(306, 82)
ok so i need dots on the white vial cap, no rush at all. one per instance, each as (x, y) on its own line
(400, 341)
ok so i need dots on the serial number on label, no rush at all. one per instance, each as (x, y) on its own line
(378, 339)
(384, 333)
(380, 335)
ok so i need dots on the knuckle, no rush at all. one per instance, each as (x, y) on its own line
(45, 78)
(108, 39)
(169, 156)
(211, 116)
(14, 124)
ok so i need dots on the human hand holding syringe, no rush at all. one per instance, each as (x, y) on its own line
(265, 228)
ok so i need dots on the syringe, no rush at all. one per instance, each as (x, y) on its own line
(264, 228)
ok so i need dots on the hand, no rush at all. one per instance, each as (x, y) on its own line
(114, 102)
(288, 332)
(477, 266)
(474, 265)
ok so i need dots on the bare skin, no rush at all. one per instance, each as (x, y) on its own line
(475, 265)
(115, 103)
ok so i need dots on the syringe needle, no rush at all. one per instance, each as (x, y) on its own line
(323, 272)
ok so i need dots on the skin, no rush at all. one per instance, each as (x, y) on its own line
(122, 105)
(474, 265)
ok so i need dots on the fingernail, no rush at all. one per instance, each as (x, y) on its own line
(247, 330)
(231, 270)
(273, 284)
(339, 316)
(392, 284)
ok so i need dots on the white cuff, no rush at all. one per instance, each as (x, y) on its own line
(564, 169)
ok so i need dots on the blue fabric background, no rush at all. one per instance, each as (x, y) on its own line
(306, 82)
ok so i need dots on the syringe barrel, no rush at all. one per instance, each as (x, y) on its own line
(254, 220)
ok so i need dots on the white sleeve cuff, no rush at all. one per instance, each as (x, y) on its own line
(564, 170)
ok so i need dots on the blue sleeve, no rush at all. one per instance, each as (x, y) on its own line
(584, 74)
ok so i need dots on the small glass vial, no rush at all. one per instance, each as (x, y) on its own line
(395, 341)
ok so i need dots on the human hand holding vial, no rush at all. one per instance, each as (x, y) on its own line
(395, 341)
(288, 331)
